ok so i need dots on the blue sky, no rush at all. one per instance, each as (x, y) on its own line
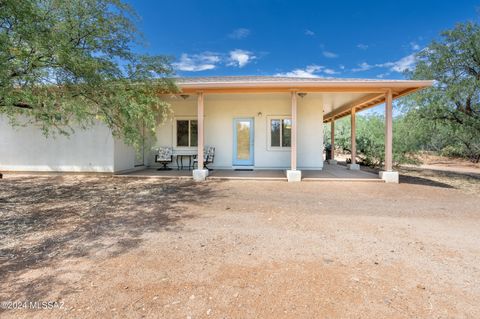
(360, 39)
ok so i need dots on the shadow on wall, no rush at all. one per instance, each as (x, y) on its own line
(47, 220)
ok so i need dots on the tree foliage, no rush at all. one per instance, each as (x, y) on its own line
(453, 104)
(370, 139)
(68, 63)
(444, 118)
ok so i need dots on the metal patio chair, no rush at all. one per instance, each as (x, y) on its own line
(208, 157)
(164, 156)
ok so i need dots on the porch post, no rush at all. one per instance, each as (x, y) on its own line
(388, 131)
(353, 142)
(293, 175)
(389, 175)
(200, 173)
(332, 143)
(293, 154)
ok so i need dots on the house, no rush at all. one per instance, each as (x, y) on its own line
(253, 122)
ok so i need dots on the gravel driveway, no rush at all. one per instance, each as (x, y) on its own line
(101, 247)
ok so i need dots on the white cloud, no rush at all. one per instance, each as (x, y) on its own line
(197, 62)
(364, 66)
(309, 72)
(414, 46)
(329, 54)
(309, 33)
(330, 71)
(209, 60)
(382, 75)
(240, 58)
(239, 33)
(402, 65)
(362, 46)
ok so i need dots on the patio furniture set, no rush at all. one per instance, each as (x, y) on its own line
(165, 154)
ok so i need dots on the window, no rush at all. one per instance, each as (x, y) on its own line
(186, 133)
(280, 132)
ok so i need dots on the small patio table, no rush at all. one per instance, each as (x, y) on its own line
(180, 155)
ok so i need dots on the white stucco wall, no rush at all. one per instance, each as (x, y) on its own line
(221, 109)
(27, 149)
(95, 150)
(124, 156)
(310, 132)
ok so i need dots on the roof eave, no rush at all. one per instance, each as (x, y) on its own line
(305, 85)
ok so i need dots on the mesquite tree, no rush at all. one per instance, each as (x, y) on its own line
(69, 63)
(454, 102)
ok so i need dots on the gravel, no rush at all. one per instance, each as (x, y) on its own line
(108, 247)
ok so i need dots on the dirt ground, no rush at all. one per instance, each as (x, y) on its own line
(105, 247)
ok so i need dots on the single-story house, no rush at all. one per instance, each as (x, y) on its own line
(253, 122)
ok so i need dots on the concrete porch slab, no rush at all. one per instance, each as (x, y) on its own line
(340, 173)
(248, 175)
(329, 173)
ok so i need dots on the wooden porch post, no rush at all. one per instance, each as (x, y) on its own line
(200, 111)
(294, 132)
(388, 131)
(332, 138)
(353, 136)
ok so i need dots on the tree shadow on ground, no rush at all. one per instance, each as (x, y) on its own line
(437, 178)
(47, 220)
(416, 180)
(427, 177)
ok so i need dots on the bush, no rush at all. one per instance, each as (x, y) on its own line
(370, 139)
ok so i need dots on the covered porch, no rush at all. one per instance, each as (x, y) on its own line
(255, 104)
(330, 172)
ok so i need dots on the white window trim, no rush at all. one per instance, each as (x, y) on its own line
(269, 134)
(174, 142)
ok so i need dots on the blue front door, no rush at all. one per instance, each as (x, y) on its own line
(243, 142)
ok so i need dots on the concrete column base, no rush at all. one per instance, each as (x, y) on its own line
(199, 174)
(332, 162)
(389, 177)
(294, 176)
(353, 167)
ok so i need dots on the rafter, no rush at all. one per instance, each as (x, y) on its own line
(346, 108)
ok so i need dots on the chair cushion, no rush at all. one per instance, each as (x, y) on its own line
(165, 153)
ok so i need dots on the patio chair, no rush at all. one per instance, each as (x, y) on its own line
(208, 157)
(164, 156)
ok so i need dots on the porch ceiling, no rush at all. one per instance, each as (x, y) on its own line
(366, 101)
(340, 95)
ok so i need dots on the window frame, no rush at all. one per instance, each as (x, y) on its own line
(269, 133)
(174, 135)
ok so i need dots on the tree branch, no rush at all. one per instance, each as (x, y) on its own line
(22, 105)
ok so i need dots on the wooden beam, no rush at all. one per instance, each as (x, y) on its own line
(293, 148)
(395, 95)
(355, 104)
(200, 135)
(388, 131)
